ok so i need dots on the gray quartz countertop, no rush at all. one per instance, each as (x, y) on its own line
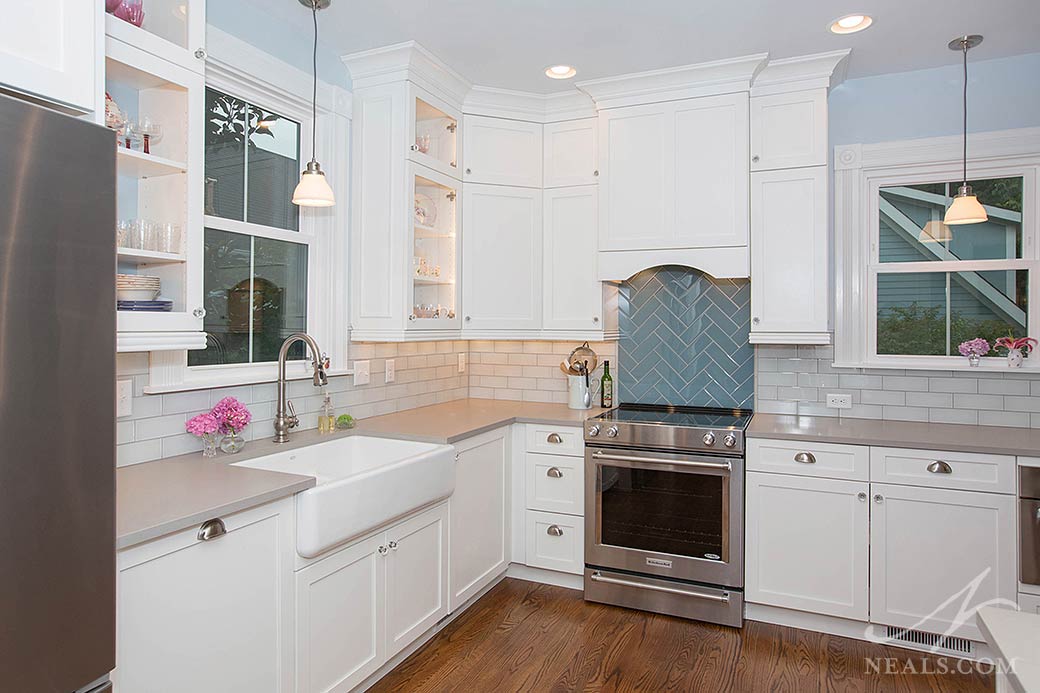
(1015, 635)
(993, 440)
(165, 496)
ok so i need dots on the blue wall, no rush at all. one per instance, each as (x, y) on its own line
(1002, 94)
(684, 339)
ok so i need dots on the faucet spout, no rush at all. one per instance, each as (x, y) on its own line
(285, 417)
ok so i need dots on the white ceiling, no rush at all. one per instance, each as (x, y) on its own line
(508, 43)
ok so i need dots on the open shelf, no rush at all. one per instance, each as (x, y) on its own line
(423, 231)
(433, 281)
(140, 165)
(148, 257)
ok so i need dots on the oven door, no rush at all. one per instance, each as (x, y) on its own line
(676, 515)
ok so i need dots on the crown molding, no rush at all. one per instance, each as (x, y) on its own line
(520, 105)
(674, 83)
(407, 61)
(816, 71)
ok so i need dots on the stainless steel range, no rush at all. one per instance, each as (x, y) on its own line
(664, 510)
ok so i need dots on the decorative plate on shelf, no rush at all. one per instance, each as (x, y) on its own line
(425, 209)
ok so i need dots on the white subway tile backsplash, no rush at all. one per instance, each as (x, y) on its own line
(955, 416)
(883, 397)
(965, 385)
(904, 383)
(1016, 419)
(943, 400)
(905, 413)
(873, 382)
(1005, 387)
(967, 401)
(1030, 404)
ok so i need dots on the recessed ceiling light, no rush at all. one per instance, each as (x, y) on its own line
(851, 23)
(560, 72)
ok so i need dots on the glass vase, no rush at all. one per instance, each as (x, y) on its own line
(209, 444)
(974, 360)
(232, 443)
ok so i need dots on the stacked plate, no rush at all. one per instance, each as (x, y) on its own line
(159, 305)
(136, 287)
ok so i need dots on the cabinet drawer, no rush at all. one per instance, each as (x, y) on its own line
(957, 470)
(556, 440)
(555, 483)
(809, 458)
(1029, 603)
(555, 542)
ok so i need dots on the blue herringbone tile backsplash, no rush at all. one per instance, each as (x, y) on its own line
(684, 339)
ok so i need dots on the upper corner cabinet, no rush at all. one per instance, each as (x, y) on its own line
(174, 30)
(500, 151)
(433, 126)
(789, 130)
(674, 175)
(570, 153)
(49, 50)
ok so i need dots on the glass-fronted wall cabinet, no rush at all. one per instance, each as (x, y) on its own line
(174, 30)
(434, 250)
(433, 129)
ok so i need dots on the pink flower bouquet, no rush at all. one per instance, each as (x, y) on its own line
(974, 347)
(231, 415)
(201, 425)
(1023, 344)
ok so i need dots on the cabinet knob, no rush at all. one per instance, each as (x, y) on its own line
(755, 158)
(755, 321)
(468, 318)
(469, 170)
(411, 317)
(554, 438)
(199, 313)
(393, 545)
(211, 529)
(200, 53)
(805, 458)
(878, 498)
(596, 172)
(554, 473)
(595, 318)
(414, 147)
(554, 531)
(383, 550)
(940, 467)
(861, 496)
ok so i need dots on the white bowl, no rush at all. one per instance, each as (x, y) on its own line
(136, 294)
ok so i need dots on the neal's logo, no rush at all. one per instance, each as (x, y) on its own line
(659, 563)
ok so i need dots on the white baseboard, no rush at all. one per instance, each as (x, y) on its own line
(546, 577)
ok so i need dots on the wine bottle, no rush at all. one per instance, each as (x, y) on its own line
(606, 387)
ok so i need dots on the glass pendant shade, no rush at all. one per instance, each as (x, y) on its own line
(966, 209)
(313, 190)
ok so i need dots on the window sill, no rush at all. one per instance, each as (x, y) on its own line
(943, 363)
(216, 380)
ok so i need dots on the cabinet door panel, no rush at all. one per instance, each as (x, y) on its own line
(340, 636)
(815, 559)
(502, 152)
(789, 130)
(573, 295)
(555, 483)
(502, 257)
(479, 515)
(570, 153)
(417, 577)
(636, 170)
(789, 251)
(555, 542)
(709, 203)
(934, 552)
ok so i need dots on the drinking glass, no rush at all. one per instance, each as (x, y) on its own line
(169, 238)
(123, 234)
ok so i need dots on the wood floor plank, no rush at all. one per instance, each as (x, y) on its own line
(526, 637)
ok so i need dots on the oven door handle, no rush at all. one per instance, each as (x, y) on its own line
(599, 577)
(658, 460)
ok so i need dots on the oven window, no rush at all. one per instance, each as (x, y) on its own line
(662, 511)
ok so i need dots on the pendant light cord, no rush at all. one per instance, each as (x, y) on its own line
(964, 158)
(314, 88)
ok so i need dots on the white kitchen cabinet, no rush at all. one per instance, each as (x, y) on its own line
(938, 554)
(555, 483)
(555, 542)
(501, 258)
(50, 51)
(416, 577)
(363, 604)
(675, 174)
(816, 558)
(502, 152)
(433, 136)
(570, 154)
(211, 614)
(479, 514)
(574, 298)
(174, 30)
(789, 130)
(790, 251)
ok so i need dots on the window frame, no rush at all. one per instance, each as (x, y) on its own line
(286, 91)
(861, 171)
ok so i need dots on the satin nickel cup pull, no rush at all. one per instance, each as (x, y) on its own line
(211, 529)
(940, 467)
(554, 531)
(554, 473)
(805, 458)
(554, 438)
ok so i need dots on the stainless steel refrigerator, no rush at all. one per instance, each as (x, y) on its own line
(57, 418)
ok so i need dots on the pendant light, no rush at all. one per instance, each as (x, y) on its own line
(313, 190)
(966, 208)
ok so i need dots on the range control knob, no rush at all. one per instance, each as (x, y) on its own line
(612, 432)
(593, 431)
(708, 439)
(730, 440)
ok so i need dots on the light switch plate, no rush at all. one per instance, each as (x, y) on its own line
(839, 401)
(362, 373)
(462, 363)
(124, 397)
(391, 371)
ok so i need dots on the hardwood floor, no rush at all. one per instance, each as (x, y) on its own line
(523, 636)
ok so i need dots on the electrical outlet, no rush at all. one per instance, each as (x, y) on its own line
(124, 397)
(838, 401)
(391, 371)
(362, 373)
(462, 363)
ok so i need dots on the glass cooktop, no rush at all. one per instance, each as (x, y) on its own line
(697, 417)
